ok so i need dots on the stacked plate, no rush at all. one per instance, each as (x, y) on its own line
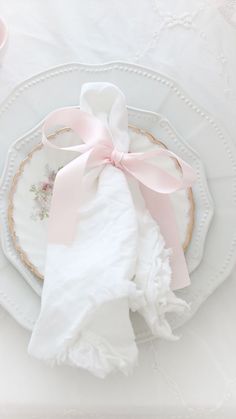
(160, 114)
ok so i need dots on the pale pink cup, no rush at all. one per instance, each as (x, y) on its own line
(3, 38)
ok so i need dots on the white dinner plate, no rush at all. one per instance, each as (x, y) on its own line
(144, 88)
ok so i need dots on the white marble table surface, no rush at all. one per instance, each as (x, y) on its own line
(194, 42)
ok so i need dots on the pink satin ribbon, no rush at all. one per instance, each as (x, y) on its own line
(155, 183)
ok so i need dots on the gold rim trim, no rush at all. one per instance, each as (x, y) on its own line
(11, 224)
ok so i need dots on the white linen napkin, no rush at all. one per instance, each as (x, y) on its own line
(84, 319)
(116, 262)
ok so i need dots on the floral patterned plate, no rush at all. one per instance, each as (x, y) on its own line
(31, 190)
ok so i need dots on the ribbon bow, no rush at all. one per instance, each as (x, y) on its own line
(97, 149)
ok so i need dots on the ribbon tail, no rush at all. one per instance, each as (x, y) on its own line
(161, 209)
(65, 202)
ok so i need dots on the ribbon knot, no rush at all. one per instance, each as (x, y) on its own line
(116, 158)
(96, 150)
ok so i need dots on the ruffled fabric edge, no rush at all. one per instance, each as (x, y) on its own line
(153, 277)
(88, 350)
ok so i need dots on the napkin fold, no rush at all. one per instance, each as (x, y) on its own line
(153, 274)
(117, 262)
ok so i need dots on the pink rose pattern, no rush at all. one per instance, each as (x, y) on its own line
(42, 192)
